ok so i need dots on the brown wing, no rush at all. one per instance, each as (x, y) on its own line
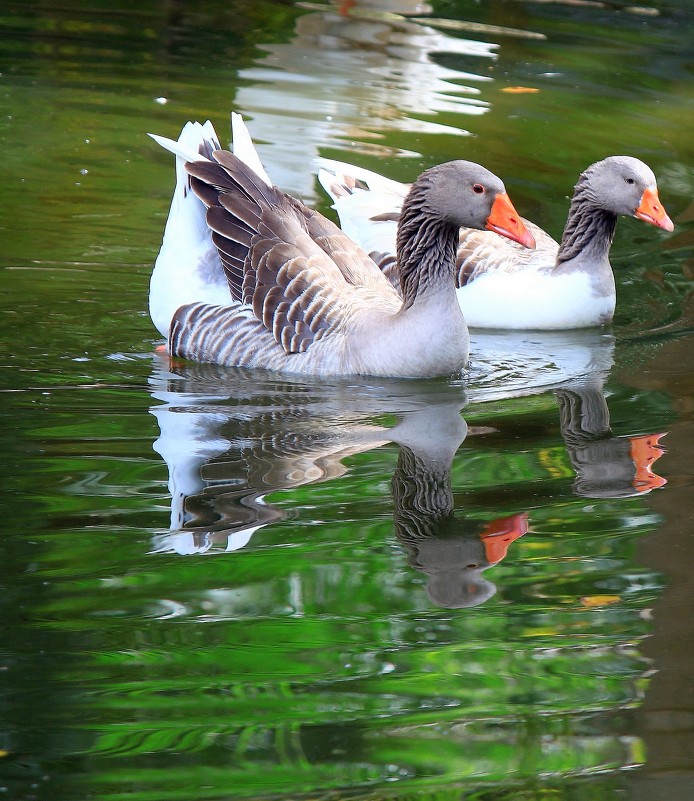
(356, 266)
(297, 271)
(218, 183)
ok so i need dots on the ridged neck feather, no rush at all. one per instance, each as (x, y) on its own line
(589, 227)
(426, 249)
(422, 494)
(583, 415)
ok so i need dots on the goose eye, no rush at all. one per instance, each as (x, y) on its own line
(478, 189)
(629, 181)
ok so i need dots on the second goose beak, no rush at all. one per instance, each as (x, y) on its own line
(651, 210)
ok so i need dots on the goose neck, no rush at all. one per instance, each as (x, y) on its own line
(589, 229)
(426, 250)
(422, 489)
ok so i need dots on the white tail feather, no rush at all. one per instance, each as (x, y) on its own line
(356, 206)
(180, 148)
(243, 148)
(188, 268)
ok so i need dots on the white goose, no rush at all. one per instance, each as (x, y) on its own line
(248, 276)
(555, 286)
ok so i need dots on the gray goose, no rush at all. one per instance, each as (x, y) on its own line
(555, 286)
(304, 298)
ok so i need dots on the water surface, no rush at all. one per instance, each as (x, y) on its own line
(220, 584)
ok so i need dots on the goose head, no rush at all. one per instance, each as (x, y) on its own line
(463, 194)
(625, 185)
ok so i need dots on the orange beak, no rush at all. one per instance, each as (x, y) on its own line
(505, 220)
(498, 534)
(645, 450)
(651, 210)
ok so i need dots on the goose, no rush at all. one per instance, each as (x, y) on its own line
(558, 285)
(300, 296)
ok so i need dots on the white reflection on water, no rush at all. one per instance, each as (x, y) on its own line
(241, 434)
(511, 363)
(339, 71)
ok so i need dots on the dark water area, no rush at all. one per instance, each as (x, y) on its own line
(222, 584)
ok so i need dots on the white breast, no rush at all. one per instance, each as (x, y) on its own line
(534, 300)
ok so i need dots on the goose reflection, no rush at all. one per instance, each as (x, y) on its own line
(229, 440)
(451, 551)
(230, 437)
(576, 366)
(606, 466)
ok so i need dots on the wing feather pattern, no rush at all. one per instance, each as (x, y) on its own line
(356, 266)
(296, 271)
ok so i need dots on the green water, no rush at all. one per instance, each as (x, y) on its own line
(222, 585)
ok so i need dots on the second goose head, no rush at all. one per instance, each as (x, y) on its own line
(625, 185)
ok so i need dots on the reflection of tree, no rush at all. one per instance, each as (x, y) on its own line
(665, 719)
(295, 666)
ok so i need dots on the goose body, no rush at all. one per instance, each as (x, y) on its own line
(257, 279)
(500, 285)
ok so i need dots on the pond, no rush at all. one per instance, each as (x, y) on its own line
(222, 584)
